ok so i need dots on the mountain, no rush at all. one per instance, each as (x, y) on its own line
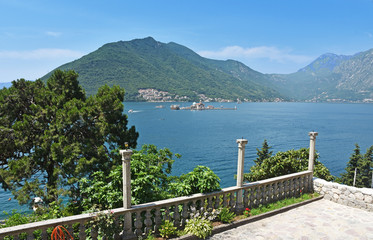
(7, 84)
(155, 71)
(330, 78)
(171, 68)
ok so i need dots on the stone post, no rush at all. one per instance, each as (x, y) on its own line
(240, 168)
(311, 159)
(126, 170)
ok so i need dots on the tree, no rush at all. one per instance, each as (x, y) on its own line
(348, 177)
(362, 163)
(150, 181)
(283, 163)
(53, 135)
(263, 153)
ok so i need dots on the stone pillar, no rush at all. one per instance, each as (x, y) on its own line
(126, 170)
(311, 159)
(240, 168)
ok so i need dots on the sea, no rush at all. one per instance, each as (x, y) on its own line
(208, 137)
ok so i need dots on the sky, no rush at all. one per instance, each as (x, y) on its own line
(269, 36)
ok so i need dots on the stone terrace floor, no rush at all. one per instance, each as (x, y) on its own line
(321, 219)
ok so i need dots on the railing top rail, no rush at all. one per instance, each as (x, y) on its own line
(145, 206)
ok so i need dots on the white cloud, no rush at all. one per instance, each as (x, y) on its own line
(39, 54)
(53, 34)
(261, 52)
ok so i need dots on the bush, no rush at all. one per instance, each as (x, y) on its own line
(167, 229)
(226, 216)
(199, 227)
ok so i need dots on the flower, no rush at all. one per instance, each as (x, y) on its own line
(247, 209)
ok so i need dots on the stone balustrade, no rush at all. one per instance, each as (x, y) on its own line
(149, 216)
(351, 196)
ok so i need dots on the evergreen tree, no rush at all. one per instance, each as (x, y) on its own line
(263, 153)
(364, 178)
(348, 177)
(53, 135)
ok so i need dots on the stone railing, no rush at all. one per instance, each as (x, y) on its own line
(148, 217)
(351, 196)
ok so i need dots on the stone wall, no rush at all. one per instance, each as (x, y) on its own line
(351, 196)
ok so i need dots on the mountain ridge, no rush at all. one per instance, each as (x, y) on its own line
(147, 63)
(185, 75)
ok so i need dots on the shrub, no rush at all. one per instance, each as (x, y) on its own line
(167, 229)
(226, 216)
(199, 227)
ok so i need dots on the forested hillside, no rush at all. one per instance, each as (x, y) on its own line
(148, 64)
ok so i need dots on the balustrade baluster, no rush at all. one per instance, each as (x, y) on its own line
(166, 215)
(209, 204)
(44, 234)
(82, 234)
(30, 235)
(70, 229)
(260, 195)
(245, 198)
(148, 222)
(157, 220)
(225, 200)
(232, 203)
(138, 224)
(193, 208)
(94, 233)
(252, 198)
(184, 214)
(275, 191)
(177, 217)
(217, 202)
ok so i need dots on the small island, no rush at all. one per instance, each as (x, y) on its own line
(199, 106)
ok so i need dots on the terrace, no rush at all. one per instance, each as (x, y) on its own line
(138, 220)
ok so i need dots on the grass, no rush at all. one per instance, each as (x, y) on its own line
(282, 203)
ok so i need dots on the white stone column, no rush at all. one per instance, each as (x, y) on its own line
(240, 169)
(126, 170)
(311, 159)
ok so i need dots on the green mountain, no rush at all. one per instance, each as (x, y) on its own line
(330, 78)
(172, 68)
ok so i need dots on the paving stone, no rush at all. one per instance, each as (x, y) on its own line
(322, 219)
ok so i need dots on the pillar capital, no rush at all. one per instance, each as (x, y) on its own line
(126, 154)
(313, 135)
(242, 142)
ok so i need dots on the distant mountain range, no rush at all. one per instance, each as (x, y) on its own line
(330, 78)
(154, 71)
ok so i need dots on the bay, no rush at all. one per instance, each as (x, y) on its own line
(209, 137)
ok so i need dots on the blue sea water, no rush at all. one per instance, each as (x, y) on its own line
(209, 137)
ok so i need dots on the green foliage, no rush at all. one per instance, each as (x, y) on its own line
(201, 180)
(53, 135)
(104, 222)
(167, 229)
(146, 63)
(362, 163)
(283, 163)
(199, 227)
(150, 181)
(263, 153)
(282, 203)
(226, 216)
(246, 213)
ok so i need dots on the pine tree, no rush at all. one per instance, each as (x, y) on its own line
(364, 165)
(263, 153)
(348, 177)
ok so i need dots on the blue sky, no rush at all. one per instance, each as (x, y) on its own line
(270, 36)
